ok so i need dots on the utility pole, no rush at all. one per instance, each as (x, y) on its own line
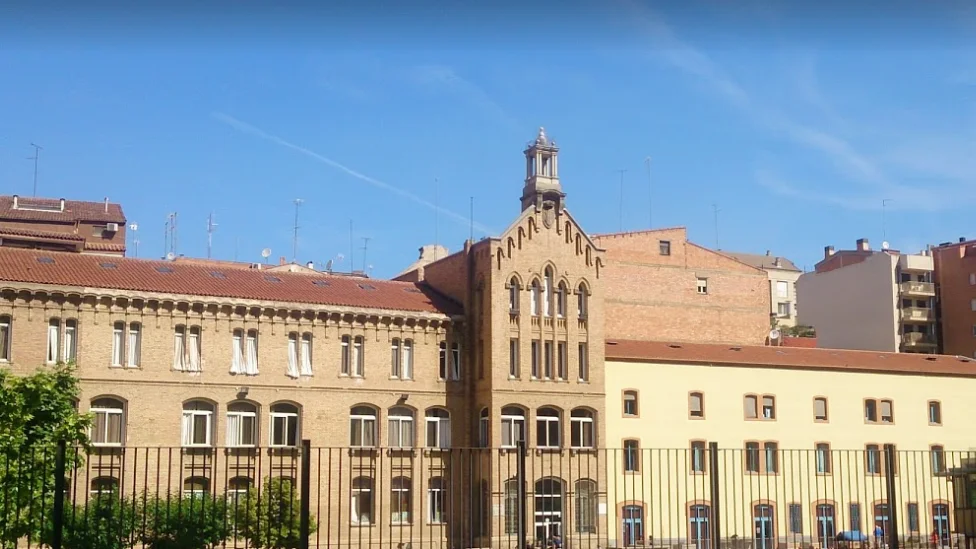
(37, 151)
(210, 229)
(884, 220)
(622, 199)
(294, 251)
(715, 211)
(650, 195)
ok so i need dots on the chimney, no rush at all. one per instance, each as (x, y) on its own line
(16, 198)
(106, 204)
(962, 239)
(862, 245)
(828, 251)
(767, 253)
(310, 265)
(776, 263)
(62, 204)
(281, 260)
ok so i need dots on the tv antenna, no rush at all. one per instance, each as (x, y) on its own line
(135, 238)
(210, 229)
(294, 249)
(170, 234)
(266, 253)
(622, 172)
(37, 154)
(366, 240)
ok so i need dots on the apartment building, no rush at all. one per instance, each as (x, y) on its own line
(62, 225)
(880, 300)
(783, 275)
(955, 287)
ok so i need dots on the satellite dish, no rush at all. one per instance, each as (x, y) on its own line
(133, 226)
(340, 257)
(266, 253)
(170, 256)
(328, 266)
(774, 334)
(885, 245)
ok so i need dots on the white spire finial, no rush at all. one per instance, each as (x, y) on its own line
(542, 139)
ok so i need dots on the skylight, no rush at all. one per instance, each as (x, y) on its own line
(412, 290)
(164, 269)
(321, 283)
(45, 259)
(217, 274)
(367, 286)
(107, 265)
(270, 278)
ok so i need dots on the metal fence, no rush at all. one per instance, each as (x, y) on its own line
(760, 497)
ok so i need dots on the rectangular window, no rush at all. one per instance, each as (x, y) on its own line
(699, 457)
(455, 361)
(823, 458)
(820, 409)
(54, 340)
(135, 345)
(872, 459)
(972, 304)
(407, 371)
(749, 406)
(179, 349)
(561, 367)
(435, 502)
(241, 428)
(584, 363)
(972, 279)
(293, 355)
(855, 516)
(783, 309)
(752, 457)
(913, 517)
(935, 413)
(782, 289)
(106, 426)
(5, 322)
(631, 456)
(195, 349)
(630, 403)
(702, 286)
(118, 343)
(284, 429)
(664, 246)
(345, 365)
(796, 518)
(197, 426)
(696, 405)
(395, 358)
(871, 411)
(938, 459)
(769, 407)
(237, 352)
(513, 357)
(357, 357)
(547, 373)
(581, 429)
(70, 340)
(887, 412)
(772, 457)
(535, 359)
(442, 360)
(251, 358)
(306, 355)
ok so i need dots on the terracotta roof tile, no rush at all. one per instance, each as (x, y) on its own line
(32, 233)
(71, 269)
(104, 247)
(49, 209)
(791, 358)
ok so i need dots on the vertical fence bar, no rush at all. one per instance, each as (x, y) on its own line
(891, 463)
(520, 476)
(303, 528)
(716, 493)
(58, 518)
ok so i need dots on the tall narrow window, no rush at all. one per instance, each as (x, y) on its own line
(344, 359)
(581, 302)
(771, 458)
(436, 501)
(631, 404)
(179, 348)
(135, 345)
(455, 361)
(442, 360)
(696, 405)
(547, 365)
(536, 292)
(357, 357)
(251, 364)
(535, 359)
(306, 355)
(769, 407)
(547, 428)
(938, 459)
(699, 460)
(284, 424)
(561, 358)
(400, 500)
(887, 412)
(820, 409)
(561, 300)
(70, 340)
(54, 341)
(438, 428)
(587, 505)
(361, 506)
(362, 427)
(195, 348)
(400, 426)
(293, 355)
(749, 405)
(237, 352)
(118, 343)
(872, 459)
(513, 357)
(584, 362)
(108, 422)
(581, 428)
(242, 424)
(753, 457)
(407, 371)
(513, 296)
(935, 412)
(395, 363)
(631, 456)
(513, 426)
(547, 293)
(5, 332)
(198, 423)
(484, 428)
(871, 410)
(823, 458)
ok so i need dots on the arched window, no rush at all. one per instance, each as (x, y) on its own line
(582, 299)
(536, 295)
(586, 506)
(186, 354)
(436, 501)
(438, 428)
(561, 300)
(401, 427)
(362, 500)
(484, 428)
(284, 424)
(548, 507)
(103, 486)
(242, 424)
(196, 487)
(631, 404)
(237, 488)
(582, 428)
(511, 506)
(699, 526)
(108, 425)
(547, 428)
(362, 427)
(513, 296)
(547, 293)
(198, 423)
(513, 426)
(400, 500)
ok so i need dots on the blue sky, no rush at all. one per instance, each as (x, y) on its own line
(796, 122)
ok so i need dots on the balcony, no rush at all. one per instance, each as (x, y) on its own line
(919, 289)
(916, 340)
(917, 314)
(909, 262)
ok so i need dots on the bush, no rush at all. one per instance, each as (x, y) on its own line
(272, 519)
(105, 522)
(185, 523)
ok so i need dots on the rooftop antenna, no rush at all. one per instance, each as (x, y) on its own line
(294, 250)
(166, 235)
(37, 154)
(366, 240)
(266, 253)
(210, 229)
(884, 220)
(135, 239)
(171, 233)
(650, 195)
(622, 199)
(715, 211)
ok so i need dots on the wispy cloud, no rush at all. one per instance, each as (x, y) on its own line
(257, 132)
(442, 78)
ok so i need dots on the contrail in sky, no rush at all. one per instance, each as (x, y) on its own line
(247, 128)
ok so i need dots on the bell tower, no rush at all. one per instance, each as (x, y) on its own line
(542, 189)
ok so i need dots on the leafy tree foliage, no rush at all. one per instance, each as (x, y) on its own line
(272, 517)
(185, 522)
(104, 522)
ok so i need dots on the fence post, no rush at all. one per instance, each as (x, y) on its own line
(58, 518)
(303, 527)
(520, 475)
(891, 464)
(713, 481)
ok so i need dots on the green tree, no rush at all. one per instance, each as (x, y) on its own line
(104, 522)
(185, 522)
(36, 412)
(272, 518)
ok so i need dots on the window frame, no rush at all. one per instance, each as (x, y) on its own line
(438, 419)
(211, 428)
(631, 449)
(584, 362)
(627, 393)
(700, 395)
(437, 495)
(512, 420)
(107, 411)
(514, 364)
(241, 415)
(823, 449)
(698, 452)
(664, 247)
(578, 427)
(826, 410)
(288, 418)
(544, 427)
(936, 407)
(701, 285)
(401, 416)
(6, 338)
(362, 418)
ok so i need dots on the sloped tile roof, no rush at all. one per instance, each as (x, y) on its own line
(71, 269)
(104, 247)
(799, 358)
(49, 209)
(32, 233)
(764, 261)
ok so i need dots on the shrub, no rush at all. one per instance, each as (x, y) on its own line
(104, 522)
(271, 519)
(185, 522)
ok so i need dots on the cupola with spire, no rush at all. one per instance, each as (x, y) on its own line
(542, 189)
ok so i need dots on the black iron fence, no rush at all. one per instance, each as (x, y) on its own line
(760, 497)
